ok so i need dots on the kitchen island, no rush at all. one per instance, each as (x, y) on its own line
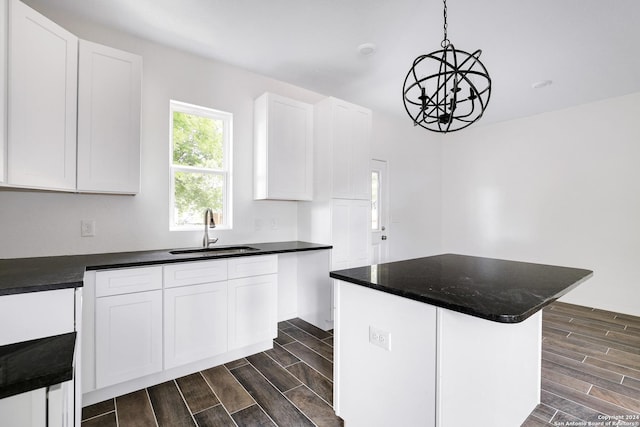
(448, 340)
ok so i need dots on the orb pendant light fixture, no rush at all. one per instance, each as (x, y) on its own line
(446, 90)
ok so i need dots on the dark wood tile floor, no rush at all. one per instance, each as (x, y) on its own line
(590, 370)
(289, 385)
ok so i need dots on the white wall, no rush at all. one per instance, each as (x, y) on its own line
(47, 224)
(558, 188)
(414, 159)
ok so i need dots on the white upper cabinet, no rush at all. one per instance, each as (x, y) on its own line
(3, 90)
(283, 148)
(342, 151)
(42, 89)
(109, 92)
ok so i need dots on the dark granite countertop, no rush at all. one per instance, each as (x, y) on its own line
(34, 364)
(22, 275)
(493, 289)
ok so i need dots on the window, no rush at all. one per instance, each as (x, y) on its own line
(200, 165)
(375, 200)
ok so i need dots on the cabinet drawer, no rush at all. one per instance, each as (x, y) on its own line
(36, 315)
(128, 280)
(192, 273)
(252, 266)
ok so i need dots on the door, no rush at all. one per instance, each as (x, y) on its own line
(379, 212)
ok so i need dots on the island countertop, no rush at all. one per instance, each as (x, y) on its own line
(493, 289)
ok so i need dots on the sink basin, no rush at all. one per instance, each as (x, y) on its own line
(224, 250)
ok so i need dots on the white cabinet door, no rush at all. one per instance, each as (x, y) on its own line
(253, 303)
(360, 172)
(128, 337)
(340, 254)
(341, 151)
(283, 148)
(346, 134)
(195, 323)
(3, 89)
(42, 88)
(351, 233)
(109, 91)
(359, 233)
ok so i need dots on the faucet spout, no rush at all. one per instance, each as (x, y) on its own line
(209, 222)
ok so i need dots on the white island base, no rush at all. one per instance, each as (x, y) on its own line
(442, 368)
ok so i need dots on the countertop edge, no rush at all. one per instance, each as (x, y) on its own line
(77, 265)
(499, 318)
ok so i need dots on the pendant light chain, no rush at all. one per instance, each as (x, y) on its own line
(445, 40)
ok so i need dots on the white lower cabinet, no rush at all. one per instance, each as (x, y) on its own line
(165, 321)
(195, 323)
(253, 306)
(128, 336)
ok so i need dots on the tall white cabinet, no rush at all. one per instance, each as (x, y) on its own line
(109, 92)
(340, 213)
(42, 90)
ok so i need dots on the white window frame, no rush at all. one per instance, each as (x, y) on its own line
(225, 171)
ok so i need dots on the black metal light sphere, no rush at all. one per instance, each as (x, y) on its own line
(446, 90)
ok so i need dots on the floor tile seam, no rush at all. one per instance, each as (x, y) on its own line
(272, 384)
(591, 376)
(205, 409)
(573, 402)
(605, 402)
(323, 375)
(99, 415)
(115, 410)
(282, 366)
(153, 411)
(619, 394)
(568, 328)
(184, 400)
(313, 391)
(300, 409)
(313, 337)
(245, 390)
(301, 343)
(261, 408)
(308, 333)
(218, 397)
(278, 390)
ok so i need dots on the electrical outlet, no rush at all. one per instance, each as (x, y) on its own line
(380, 338)
(88, 228)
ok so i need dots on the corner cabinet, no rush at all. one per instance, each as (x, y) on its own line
(109, 92)
(70, 117)
(42, 87)
(283, 148)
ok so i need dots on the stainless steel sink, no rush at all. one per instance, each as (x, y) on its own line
(223, 250)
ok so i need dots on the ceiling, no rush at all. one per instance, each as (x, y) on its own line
(590, 49)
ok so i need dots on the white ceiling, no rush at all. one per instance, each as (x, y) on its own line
(590, 49)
